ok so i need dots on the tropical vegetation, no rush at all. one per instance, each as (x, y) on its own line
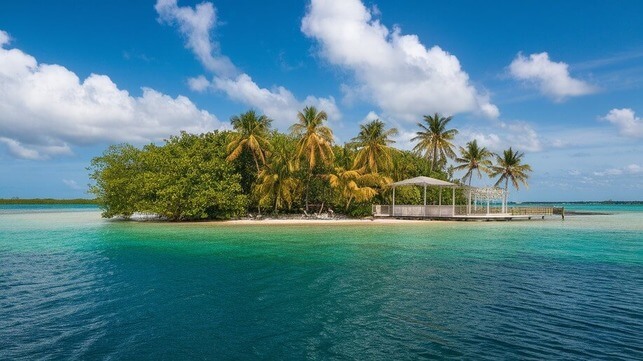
(509, 167)
(434, 140)
(314, 142)
(473, 158)
(256, 169)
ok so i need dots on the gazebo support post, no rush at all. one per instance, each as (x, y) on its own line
(440, 202)
(453, 202)
(424, 209)
(393, 205)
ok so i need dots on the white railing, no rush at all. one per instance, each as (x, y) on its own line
(381, 210)
(460, 210)
(412, 211)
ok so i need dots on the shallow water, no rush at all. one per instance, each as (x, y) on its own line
(73, 286)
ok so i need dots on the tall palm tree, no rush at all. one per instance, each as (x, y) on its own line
(374, 153)
(509, 168)
(473, 158)
(434, 140)
(251, 133)
(277, 181)
(315, 140)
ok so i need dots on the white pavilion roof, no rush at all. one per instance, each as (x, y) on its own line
(423, 181)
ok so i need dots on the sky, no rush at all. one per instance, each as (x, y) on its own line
(561, 81)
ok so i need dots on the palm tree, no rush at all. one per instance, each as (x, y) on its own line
(315, 140)
(251, 133)
(434, 140)
(277, 181)
(374, 153)
(473, 158)
(355, 186)
(509, 167)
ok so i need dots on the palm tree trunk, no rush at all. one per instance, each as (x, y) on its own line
(307, 189)
(435, 158)
(505, 195)
(256, 163)
(348, 204)
(469, 196)
(276, 200)
(254, 157)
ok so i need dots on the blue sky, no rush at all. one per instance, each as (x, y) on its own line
(560, 81)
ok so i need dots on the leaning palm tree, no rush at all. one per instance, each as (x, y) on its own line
(373, 151)
(352, 185)
(509, 168)
(315, 141)
(251, 133)
(473, 158)
(434, 140)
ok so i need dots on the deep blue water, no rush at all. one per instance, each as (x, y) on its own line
(73, 286)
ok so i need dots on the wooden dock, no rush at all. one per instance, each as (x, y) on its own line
(464, 213)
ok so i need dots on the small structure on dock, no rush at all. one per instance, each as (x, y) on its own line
(488, 203)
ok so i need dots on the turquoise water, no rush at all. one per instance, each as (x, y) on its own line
(74, 286)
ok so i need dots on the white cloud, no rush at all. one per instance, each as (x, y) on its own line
(552, 78)
(72, 184)
(608, 172)
(198, 84)
(396, 71)
(626, 121)
(491, 141)
(196, 24)
(370, 117)
(522, 136)
(4, 38)
(634, 169)
(519, 135)
(34, 152)
(631, 169)
(278, 103)
(44, 108)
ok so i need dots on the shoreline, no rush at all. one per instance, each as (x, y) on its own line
(346, 221)
(331, 221)
(289, 221)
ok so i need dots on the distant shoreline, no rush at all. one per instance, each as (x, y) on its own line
(586, 213)
(46, 201)
(577, 202)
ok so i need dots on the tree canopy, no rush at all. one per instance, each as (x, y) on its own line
(187, 178)
(434, 139)
(223, 175)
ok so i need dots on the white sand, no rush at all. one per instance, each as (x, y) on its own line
(271, 221)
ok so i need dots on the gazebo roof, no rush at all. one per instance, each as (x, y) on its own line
(423, 181)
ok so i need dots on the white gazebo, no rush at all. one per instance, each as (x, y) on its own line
(425, 211)
(488, 195)
(444, 211)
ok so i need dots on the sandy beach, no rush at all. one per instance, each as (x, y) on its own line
(277, 221)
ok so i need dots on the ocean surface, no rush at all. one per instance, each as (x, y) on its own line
(75, 286)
